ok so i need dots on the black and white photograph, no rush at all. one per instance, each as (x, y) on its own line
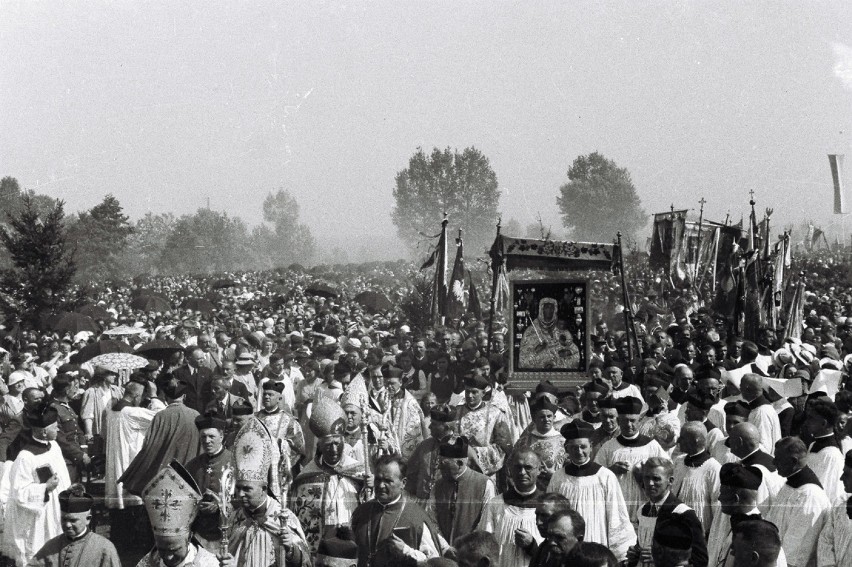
(549, 326)
(425, 283)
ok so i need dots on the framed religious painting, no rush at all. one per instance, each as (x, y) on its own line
(550, 332)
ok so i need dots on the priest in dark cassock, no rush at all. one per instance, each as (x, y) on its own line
(423, 470)
(587, 485)
(392, 530)
(459, 496)
(172, 436)
(514, 510)
(835, 541)
(78, 546)
(207, 470)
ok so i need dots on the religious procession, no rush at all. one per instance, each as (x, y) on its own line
(691, 417)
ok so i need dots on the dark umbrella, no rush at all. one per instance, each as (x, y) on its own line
(159, 349)
(76, 322)
(223, 283)
(296, 267)
(151, 303)
(198, 304)
(374, 301)
(322, 289)
(89, 352)
(51, 319)
(95, 312)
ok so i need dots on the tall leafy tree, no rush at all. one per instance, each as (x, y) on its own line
(208, 241)
(146, 243)
(283, 240)
(100, 236)
(12, 203)
(462, 184)
(599, 200)
(42, 264)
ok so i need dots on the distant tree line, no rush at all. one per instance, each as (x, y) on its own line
(104, 244)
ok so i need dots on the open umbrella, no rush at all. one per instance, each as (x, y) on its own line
(119, 361)
(151, 303)
(95, 312)
(89, 352)
(76, 322)
(374, 301)
(322, 289)
(123, 330)
(159, 349)
(198, 304)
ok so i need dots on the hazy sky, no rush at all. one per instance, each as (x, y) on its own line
(167, 104)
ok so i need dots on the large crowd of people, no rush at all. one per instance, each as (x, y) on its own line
(289, 423)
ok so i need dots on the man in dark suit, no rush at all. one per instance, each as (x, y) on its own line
(223, 398)
(197, 378)
(662, 507)
(212, 359)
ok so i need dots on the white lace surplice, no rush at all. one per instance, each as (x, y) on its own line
(502, 520)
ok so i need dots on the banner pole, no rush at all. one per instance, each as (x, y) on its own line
(495, 274)
(628, 310)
